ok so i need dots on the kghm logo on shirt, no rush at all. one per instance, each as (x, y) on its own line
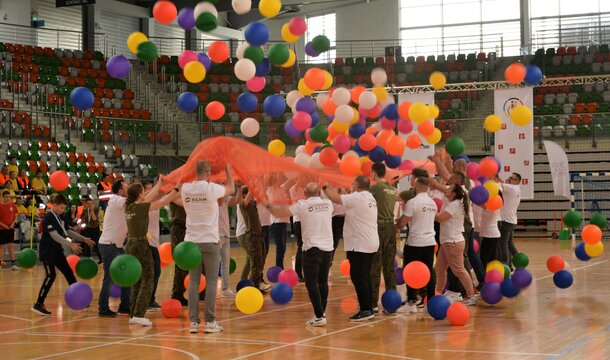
(196, 198)
(318, 208)
(424, 209)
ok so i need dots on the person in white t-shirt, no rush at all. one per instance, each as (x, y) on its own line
(361, 240)
(419, 214)
(277, 195)
(200, 201)
(511, 194)
(316, 220)
(297, 193)
(153, 234)
(490, 235)
(451, 252)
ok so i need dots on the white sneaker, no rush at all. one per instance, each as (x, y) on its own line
(408, 308)
(140, 321)
(453, 296)
(226, 293)
(264, 286)
(212, 327)
(316, 322)
(14, 267)
(194, 329)
(470, 302)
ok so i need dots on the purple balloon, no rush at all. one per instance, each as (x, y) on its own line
(205, 60)
(306, 104)
(290, 129)
(273, 273)
(521, 278)
(399, 278)
(491, 293)
(118, 66)
(78, 296)
(310, 51)
(115, 291)
(479, 195)
(186, 18)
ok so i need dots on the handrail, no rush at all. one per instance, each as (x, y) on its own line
(50, 29)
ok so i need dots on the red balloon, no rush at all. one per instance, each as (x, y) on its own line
(488, 167)
(171, 308)
(366, 168)
(214, 110)
(72, 261)
(218, 52)
(349, 166)
(345, 267)
(426, 128)
(341, 143)
(413, 141)
(356, 92)
(164, 12)
(328, 156)
(458, 314)
(314, 79)
(403, 109)
(202, 283)
(515, 73)
(405, 126)
(591, 234)
(555, 263)
(59, 180)
(395, 145)
(416, 274)
(165, 253)
(288, 276)
(367, 142)
(439, 204)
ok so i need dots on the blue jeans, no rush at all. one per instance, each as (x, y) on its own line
(157, 262)
(108, 253)
(279, 236)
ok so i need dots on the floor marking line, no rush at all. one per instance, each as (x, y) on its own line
(16, 318)
(42, 326)
(580, 342)
(574, 269)
(492, 352)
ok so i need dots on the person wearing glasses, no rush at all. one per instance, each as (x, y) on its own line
(511, 192)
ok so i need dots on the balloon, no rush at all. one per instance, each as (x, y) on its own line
(345, 268)
(458, 314)
(290, 130)
(302, 121)
(86, 268)
(599, 220)
(508, 289)
(328, 80)
(126, 270)
(276, 147)
(555, 263)
(59, 180)
(245, 69)
(367, 142)
(202, 283)
(79, 295)
(591, 234)
(413, 141)
(27, 258)
(406, 165)
(563, 279)
(492, 123)
(416, 274)
(349, 166)
(341, 96)
(328, 156)
(288, 36)
(249, 300)
(171, 308)
(194, 72)
(472, 170)
(187, 255)
(118, 67)
(515, 73)
(134, 40)
(494, 203)
(165, 253)
(392, 162)
(418, 112)
(341, 143)
(378, 154)
(293, 97)
(379, 77)
(405, 126)
(572, 218)
(206, 21)
(288, 276)
(319, 133)
(185, 57)
(533, 75)
(187, 102)
(244, 283)
(164, 12)
(249, 127)
(492, 188)
(521, 115)
(247, 102)
(455, 146)
(521, 278)
(381, 94)
(72, 261)
(263, 68)
(214, 110)
(273, 273)
(297, 26)
(320, 44)
(403, 110)
(426, 128)
(391, 301)
(302, 159)
(310, 51)
(580, 252)
(269, 8)
(494, 276)
(344, 114)
(205, 60)
(314, 78)
(186, 18)
(278, 54)
(479, 195)
(256, 84)
(254, 53)
(395, 145)
(436, 136)
(147, 51)
(274, 105)
(281, 294)
(367, 100)
(390, 112)
(594, 250)
(218, 52)
(437, 80)
(241, 7)
(82, 98)
(438, 306)
(491, 293)
(488, 167)
(203, 7)
(292, 58)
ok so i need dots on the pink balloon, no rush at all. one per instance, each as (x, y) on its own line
(341, 143)
(289, 277)
(406, 165)
(405, 126)
(477, 183)
(439, 204)
(307, 136)
(388, 124)
(256, 84)
(301, 120)
(494, 276)
(475, 245)
(472, 170)
(186, 57)
(297, 26)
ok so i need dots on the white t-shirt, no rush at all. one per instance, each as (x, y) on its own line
(200, 200)
(422, 210)
(476, 219)
(360, 227)
(470, 210)
(153, 228)
(296, 194)
(114, 229)
(263, 215)
(240, 228)
(339, 209)
(452, 229)
(512, 199)
(277, 196)
(489, 224)
(316, 222)
(224, 228)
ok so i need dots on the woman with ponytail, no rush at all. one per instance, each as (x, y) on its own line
(451, 253)
(137, 207)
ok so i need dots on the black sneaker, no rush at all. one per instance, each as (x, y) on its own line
(202, 296)
(362, 316)
(183, 301)
(154, 305)
(124, 312)
(41, 309)
(107, 313)
(301, 279)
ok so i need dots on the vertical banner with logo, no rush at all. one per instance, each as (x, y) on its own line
(514, 145)
(426, 148)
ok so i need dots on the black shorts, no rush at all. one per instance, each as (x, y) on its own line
(7, 236)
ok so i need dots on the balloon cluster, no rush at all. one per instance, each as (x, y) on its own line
(499, 283)
(517, 73)
(486, 192)
(591, 234)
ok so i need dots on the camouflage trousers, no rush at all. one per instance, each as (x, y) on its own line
(177, 236)
(384, 259)
(254, 247)
(141, 291)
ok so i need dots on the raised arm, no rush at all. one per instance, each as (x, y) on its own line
(154, 192)
(279, 211)
(230, 185)
(173, 195)
(332, 194)
(441, 168)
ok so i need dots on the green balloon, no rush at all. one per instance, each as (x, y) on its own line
(232, 266)
(319, 133)
(125, 270)
(254, 53)
(506, 272)
(147, 51)
(320, 43)
(520, 260)
(565, 235)
(206, 22)
(455, 146)
(187, 255)
(278, 54)
(26, 258)
(599, 219)
(86, 268)
(572, 218)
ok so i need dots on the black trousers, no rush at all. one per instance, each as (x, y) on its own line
(489, 250)
(298, 260)
(316, 264)
(58, 260)
(360, 273)
(424, 254)
(337, 225)
(93, 234)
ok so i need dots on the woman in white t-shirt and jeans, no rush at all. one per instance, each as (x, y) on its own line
(489, 234)
(451, 252)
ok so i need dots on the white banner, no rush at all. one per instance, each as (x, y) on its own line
(514, 145)
(560, 169)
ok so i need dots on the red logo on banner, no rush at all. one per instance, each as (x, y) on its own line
(526, 162)
(524, 181)
(507, 168)
(521, 136)
(512, 151)
(503, 127)
(500, 146)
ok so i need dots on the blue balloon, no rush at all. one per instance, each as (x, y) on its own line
(273, 273)
(391, 300)
(461, 156)
(187, 102)
(247, 102)
(563, 279)
(580, 252)
(377, 154)
(263, 68)
(357, 130)
(281, 293)
(533, 76)
(437, 307)
(243, 283)
(306, 104)
(359, 150)
(509, 289)
(393, 161)
(390, 112)
(479, 195)
(274, 105)
(82, 98)
(315, 119)
(256, 33)
(290, 130)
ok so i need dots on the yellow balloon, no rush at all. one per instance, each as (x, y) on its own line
(419, 112)
(492, 123)
(328, 80)
(492, 187)
(433, 111)
(287, 36)
(291, 59)
(437, 80)
(249, 300)
(269, 8)
(495, 265)
(435, 137)
(380, 93)
(194, 72)
(276, 147)
(340, 127)
(521, 115)
(363, 160)
(134, 40)
(594, 250)
(303, 89)
(356, 117)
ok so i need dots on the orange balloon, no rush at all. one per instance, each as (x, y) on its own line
(328, 156)
(163, 264)
(515, 73)
(329, 107)
(366, 168)
(374, 113)
(495, 203)
(555, 263)
(345, 267)
(218, 52)
(310, 146)
(201, 283)
(367, 142)
(413, 141)
(458, 314)
(591, 234)
(314, 78)
(72, 261)
(165, 253)
(356, 92)
(488, 167)
(383, 136)
(395, 145)
(214, 110)
(426, 128)
(349, 166)
(371, 130)
(403, 109)
(416, 274)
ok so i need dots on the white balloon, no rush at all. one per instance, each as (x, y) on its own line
(320, 100)
(314, 161)
(292, 97)
(302, 159)
(379, 77)
(367, 100)
(299, 150)
(205, 6)
(241, 6)
(341, 96)
(377, 125)
(245, 69)
(239, 52)
(344, 114)
(351, 153)
(249, 127)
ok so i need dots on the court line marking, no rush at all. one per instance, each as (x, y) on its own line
(440, 332)
(573, 269)
(16, 318)
(47, 325)
(493, 352)
(570, 348)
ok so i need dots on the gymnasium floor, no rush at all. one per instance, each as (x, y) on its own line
(541, 323)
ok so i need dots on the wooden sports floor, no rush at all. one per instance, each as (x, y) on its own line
(543, 322)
